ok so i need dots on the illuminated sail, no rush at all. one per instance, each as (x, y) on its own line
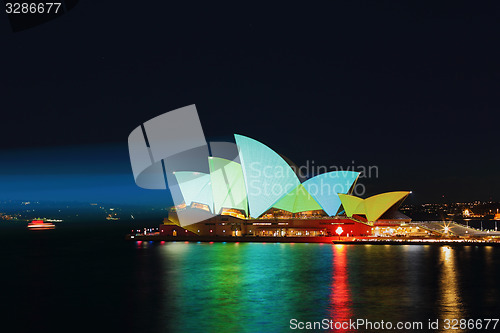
(267, 176)
(228, 185)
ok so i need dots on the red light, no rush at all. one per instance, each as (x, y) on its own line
(340, 295)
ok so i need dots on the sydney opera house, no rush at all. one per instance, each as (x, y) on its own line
(257, 193)
(244, 188)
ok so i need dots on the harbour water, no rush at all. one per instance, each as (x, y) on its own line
(88, 278)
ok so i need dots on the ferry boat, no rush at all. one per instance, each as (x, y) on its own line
(40, 225)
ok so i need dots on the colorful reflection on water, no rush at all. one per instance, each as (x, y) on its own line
(103, 283)
(260, 287)
(450, 301)
(340, 296)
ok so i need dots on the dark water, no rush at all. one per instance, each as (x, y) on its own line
(87, 278)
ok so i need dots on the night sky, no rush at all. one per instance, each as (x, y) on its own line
(410, 88)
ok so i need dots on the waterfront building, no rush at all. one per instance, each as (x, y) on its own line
(258, 193)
